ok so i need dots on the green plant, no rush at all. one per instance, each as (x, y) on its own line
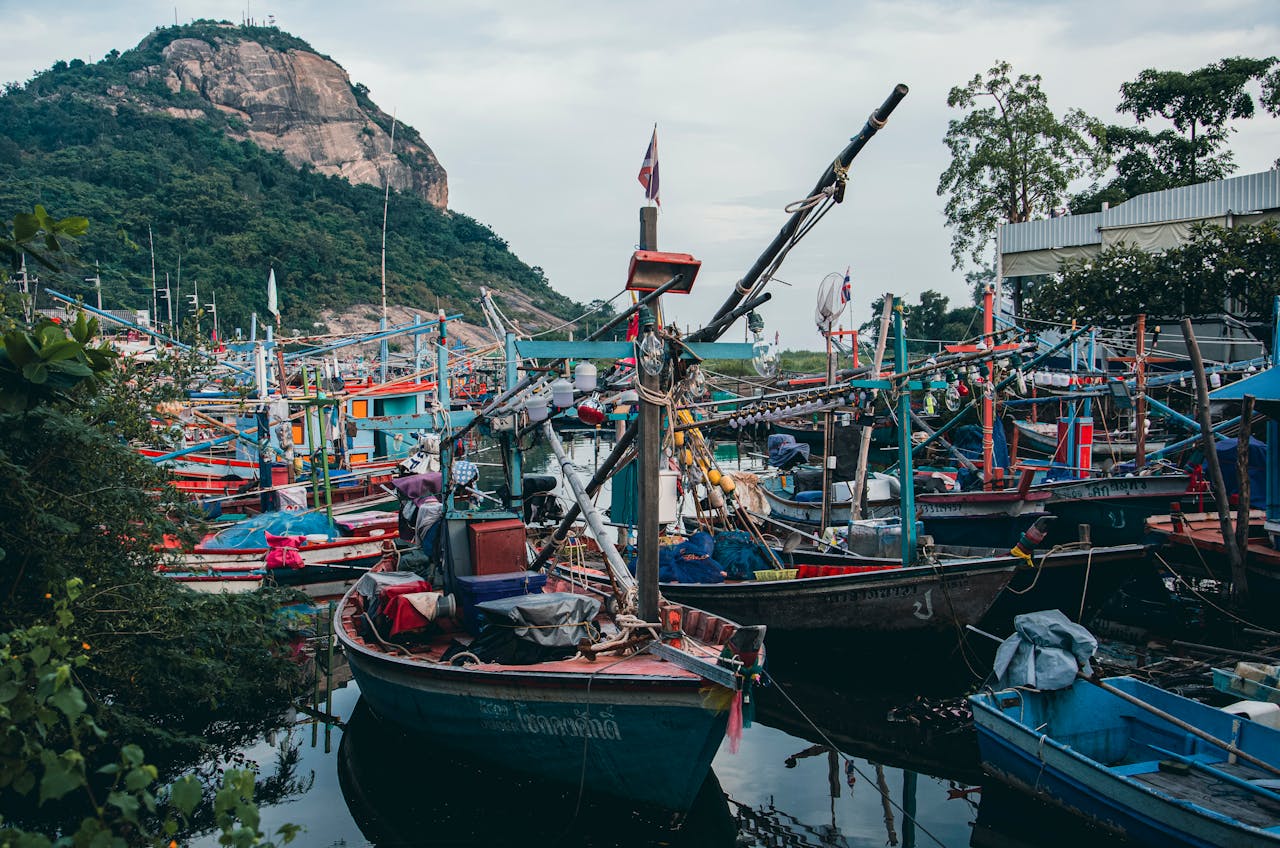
(50, 743)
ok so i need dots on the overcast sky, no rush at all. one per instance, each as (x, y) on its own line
(541, 112)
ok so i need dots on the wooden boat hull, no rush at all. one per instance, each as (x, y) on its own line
(1076, 773)
(1196, 551)
(919, 599)
(646, 737)
(952, 519)
(1044, 438)
(1115, 508)
(357, 552)
(214, 583)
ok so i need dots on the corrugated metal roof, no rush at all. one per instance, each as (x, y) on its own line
(1235, 195)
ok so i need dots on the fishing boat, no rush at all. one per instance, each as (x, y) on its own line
(1193, 544)
(1133, 772)
(1110, 447)
(629, 699)
(1115, 507)
(981, 518)
(616, 722)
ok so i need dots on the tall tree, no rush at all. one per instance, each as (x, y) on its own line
(1012, 158)
(1198, 103)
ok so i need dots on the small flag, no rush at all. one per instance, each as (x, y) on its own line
(846, 289)
(273, 299)
(649, 170)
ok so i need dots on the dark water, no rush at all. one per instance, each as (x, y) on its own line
(854, 779)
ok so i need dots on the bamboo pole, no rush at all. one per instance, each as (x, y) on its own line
(1211, 455)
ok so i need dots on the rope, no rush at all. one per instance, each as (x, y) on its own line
(1084, 591)
(849, 762)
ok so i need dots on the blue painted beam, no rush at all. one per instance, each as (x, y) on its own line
(534, 349)
(414, 421)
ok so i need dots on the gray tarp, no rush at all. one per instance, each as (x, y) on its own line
(554, 619)
(368, 585)
(1045, 652)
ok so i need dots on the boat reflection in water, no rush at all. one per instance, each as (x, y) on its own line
(897, 772)
(402, 791)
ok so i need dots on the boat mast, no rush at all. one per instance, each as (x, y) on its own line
(649, 424)
(835, 173)
(988, 391)
(906, 473)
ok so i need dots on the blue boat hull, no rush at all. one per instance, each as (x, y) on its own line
(1032, 761)
(601, 733)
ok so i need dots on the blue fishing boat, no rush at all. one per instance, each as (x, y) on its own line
(1138, 772)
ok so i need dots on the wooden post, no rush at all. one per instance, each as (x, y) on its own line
(864, 447)
(649, 425)
(1213, 469)
(1240, 583)
(1140, 388)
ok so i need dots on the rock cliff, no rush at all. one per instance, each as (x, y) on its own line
(301, 104)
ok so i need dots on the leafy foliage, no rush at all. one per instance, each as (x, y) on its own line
(1218, 265)
(1010, 160)
(54, 754)
(45, 361)
(1198, 104)
(228, 210)
(932, 320)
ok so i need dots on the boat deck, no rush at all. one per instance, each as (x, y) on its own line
(1254, 808)
(707, 635)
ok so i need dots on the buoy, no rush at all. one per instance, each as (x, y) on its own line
(713, 477)
(726, 484)
(679, 438)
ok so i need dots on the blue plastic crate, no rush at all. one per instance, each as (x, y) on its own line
(478, 588)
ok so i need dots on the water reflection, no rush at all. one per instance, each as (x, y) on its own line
(401, 791)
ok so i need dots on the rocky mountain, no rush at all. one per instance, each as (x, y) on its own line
(230, 150)
(298, 102)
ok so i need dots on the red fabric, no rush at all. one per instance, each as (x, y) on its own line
(803, 571)
(398, 611)
(389, 592)
(284, 551)
(734, 730)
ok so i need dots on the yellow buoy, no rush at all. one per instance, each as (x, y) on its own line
(713, 476)
(688, 457)
(726, 484)
(679, 438)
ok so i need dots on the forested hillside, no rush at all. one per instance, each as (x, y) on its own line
(147, 164)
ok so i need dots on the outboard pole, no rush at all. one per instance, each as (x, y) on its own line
(834, 173)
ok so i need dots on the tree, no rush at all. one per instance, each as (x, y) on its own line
(1217, 265)
(1198, 104)
(1011, 160)
(1194, 150)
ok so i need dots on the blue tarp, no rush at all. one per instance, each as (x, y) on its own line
(252, 532)
(968, 440)
(1046, 651)
(785, 451)
(1257, 470)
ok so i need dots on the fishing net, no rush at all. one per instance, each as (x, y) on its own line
(740, 555)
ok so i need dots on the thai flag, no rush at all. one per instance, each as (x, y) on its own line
(649, 170)
(846, 289)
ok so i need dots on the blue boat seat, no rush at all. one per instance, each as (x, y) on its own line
(1149, 766)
